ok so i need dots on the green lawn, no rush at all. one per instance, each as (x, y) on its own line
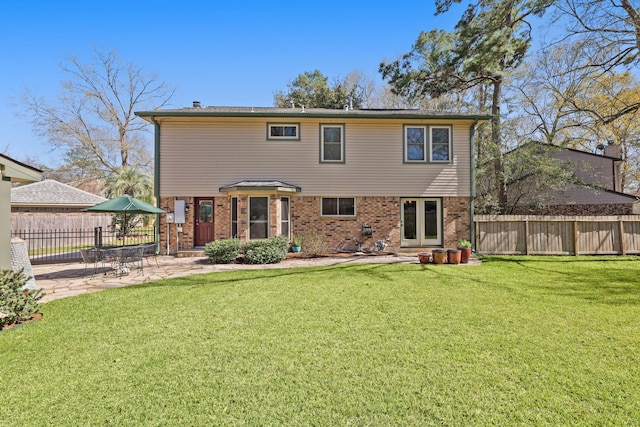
(514, 341)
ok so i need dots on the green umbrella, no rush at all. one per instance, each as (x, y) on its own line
(125, 204)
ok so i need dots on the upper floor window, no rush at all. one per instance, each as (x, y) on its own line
(283, 131)
(415, 144)
(440, 143)
(427, 144)
(332, 143)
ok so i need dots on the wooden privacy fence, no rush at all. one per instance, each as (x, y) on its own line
(59, 221)
(557, 235)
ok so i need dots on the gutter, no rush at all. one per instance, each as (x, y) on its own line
(472, 188)
(156, 175)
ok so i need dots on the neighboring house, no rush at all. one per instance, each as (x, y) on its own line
(52, 205)
(403, 176)
(11, 171)
(597, 191)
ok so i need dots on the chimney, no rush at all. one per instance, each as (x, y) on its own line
(196, 104)
(613, 150)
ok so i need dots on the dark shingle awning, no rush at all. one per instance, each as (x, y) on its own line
(278, 186)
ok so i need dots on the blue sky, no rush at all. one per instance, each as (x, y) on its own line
(231, 54)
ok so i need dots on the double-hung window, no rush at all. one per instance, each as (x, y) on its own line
(425, 144)
(234, 217)
(440, 137)
(415, 138)
(258, 217)
(285, 203)
(338, 206)
(331, 143)
(283, 131)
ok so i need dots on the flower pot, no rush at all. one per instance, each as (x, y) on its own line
(439, 256)
(465, 254)
(295, 248)
(424, 257)
(453, 256)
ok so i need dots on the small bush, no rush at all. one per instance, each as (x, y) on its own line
(267, 251)
(16, 304)
(315, 244)
(223, 251)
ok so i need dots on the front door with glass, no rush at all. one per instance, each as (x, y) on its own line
(421, 222)
(204, 221)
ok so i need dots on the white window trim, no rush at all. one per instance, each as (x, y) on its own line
(288, 220)
(284, 137)
(266, 221)
(342, 143)
(355, 211)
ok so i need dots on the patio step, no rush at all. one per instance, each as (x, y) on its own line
(190, 253)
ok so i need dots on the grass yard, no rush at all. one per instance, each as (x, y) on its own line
(514, 341)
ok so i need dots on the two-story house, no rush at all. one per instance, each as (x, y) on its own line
(404, 176)
(596, 190)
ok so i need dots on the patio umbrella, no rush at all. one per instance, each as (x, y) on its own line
(126, 205)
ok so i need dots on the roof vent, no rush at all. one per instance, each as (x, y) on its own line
(197, 104)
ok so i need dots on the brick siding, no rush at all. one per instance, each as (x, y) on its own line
(382, 214)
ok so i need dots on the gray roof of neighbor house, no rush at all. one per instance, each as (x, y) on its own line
(52, 193)
(300, 111)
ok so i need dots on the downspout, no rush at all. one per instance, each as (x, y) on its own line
(473, 183)
(156, 175)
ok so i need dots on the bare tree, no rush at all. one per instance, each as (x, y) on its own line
(610, 33)
(93, 121)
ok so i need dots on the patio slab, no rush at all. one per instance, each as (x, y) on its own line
(65, 280)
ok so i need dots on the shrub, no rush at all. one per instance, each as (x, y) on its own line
(315, 244)
(268, 251)
(223, 251)
(17, 304)
(463, 243)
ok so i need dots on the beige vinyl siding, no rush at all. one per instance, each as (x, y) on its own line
(199, 156)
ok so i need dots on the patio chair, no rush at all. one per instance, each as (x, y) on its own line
(150, 250)
(132, 257)
(90, 256)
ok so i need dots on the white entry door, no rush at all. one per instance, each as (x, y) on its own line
(421, 222)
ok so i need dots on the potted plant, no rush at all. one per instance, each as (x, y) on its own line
(296, 243)
(465, 248)
(424, 257)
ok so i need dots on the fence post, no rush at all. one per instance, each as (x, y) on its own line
(621, 231)
(97, 237)
(576, 237)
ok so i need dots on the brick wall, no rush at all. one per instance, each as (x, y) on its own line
(381, 213)
(457, 220)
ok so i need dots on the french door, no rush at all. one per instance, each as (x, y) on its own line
(421, 222)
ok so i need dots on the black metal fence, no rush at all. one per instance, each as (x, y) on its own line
(50, 246)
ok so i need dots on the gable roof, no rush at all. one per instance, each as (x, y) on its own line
(560, 148)
(52, 193)
(369, 113)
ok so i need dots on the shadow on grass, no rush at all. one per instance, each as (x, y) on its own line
(611, 280)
